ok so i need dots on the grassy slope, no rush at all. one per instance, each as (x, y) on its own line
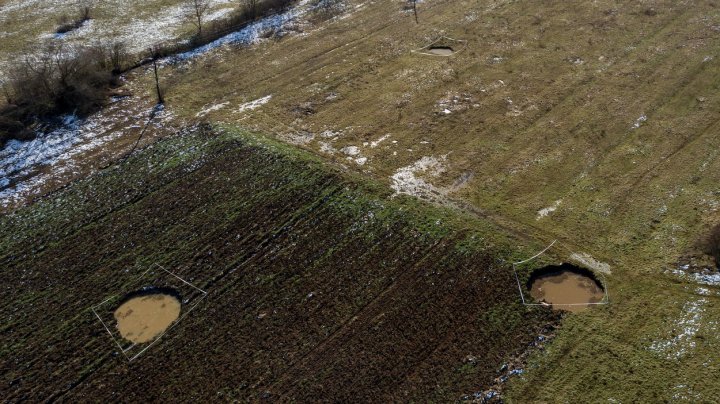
(579, 76)
(318, 283)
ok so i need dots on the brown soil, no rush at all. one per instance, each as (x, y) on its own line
(141, 319)
(567, 290)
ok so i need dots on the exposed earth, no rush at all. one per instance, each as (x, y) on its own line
(143, 318)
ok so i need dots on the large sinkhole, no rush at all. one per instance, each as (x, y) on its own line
(145, 314)
(565, 287)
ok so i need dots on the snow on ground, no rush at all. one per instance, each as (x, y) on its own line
(376, 143)
(27, 166)
(711, 279)
(250, 34)
(681, 340)
(638, 122)
(406, 179)
(211, 108)
(251, 105)
(353, 154)
(546, 211)
(137, 25)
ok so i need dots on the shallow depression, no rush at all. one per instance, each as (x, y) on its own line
(441, 50)
(142, 318)
(566, 287)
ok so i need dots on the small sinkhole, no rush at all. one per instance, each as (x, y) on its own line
(441, 50)
(565, 287)
(145, 314)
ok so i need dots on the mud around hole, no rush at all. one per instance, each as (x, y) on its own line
(566, 287)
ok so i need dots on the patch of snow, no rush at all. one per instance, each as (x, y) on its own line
(376, 143)
(550, 209)
(685, 393)
(682, 338)
(327, 148)
(249, 106)
(298, 138)
(406, 180)
(353, 153)
(249, 34)
(638, 122)
(328, 134)
(26, 166)
(710, 279)
(211, 108)
(350, 150)
(454, 102)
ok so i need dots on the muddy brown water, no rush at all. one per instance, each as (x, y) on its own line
(566, 288)
(142, 318)
(441, 50)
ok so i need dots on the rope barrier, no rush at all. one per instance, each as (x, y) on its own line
(186, 312)
(605, 300)
(421, 51)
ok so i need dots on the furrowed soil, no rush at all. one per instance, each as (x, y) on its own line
(319, 285)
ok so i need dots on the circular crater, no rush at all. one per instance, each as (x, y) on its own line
(565, 287)
(145, 314)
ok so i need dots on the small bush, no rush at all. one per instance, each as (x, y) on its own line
(67, 24)
(57, 80)
(326, 9)
(712, 244)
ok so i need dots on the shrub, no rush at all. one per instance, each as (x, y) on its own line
(326, 9)
(712, 244)
(57, 80)
(67, 24)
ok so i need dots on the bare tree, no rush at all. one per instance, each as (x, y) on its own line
(118, 54)
(712, 244)
(251, 6)
(196, 10)
(414, 4)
